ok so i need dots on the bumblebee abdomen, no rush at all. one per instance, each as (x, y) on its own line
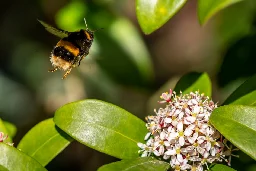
(68, 46)
(63, 53)
(60, 63)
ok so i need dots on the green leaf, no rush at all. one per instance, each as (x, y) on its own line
(2, 168)
(206, 9)
(237, 124)
(44, 142)
(221, 167)
(102, 126)
(244, 94)
(152, 14)
(193, 82)
(139, 164)
(11, 128)
(5, 131)
(13, 159)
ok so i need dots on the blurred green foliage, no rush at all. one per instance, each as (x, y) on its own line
(124, 66)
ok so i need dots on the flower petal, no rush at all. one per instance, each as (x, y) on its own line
(181, 141)
(180, 126)
(170, 152)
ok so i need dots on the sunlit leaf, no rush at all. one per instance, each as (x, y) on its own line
(138, 164)
(11, 128)
(13, 159)
(102, 126)
(194, 82)
(220, 167)
(2, 168)
(237, 124)
(44, 142)
(152, 14)
(207, 9)
(245, 94)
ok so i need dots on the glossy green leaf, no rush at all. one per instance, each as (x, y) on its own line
(221, 167)
(138, 164)
(194, 82)
(102, 126)
(44, 142)
(237, 124)
(152, 14)
(5, 131)
(11, 128)
(244, 94)
(13, 159)
(207, 9)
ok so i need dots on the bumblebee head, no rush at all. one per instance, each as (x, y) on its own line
(89, 33)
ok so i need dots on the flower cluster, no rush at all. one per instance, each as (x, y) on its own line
(181, 133)
(3, 138)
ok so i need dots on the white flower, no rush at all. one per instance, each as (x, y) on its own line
(147, 136)
(146, 150)
(166, 97)
(159, 144)
(181, 133)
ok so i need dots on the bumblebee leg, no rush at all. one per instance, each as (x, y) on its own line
(53, 70)
(80, 60)
(67, 72)
(84, 53)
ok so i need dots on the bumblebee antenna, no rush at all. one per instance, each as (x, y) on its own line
(85, 23)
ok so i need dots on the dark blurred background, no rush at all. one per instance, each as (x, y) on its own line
(124, 67)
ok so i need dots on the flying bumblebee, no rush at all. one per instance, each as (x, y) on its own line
(71, 49)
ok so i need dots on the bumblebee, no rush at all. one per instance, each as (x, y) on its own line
(71, 49)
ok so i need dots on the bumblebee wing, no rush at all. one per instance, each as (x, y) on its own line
(57, 32)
